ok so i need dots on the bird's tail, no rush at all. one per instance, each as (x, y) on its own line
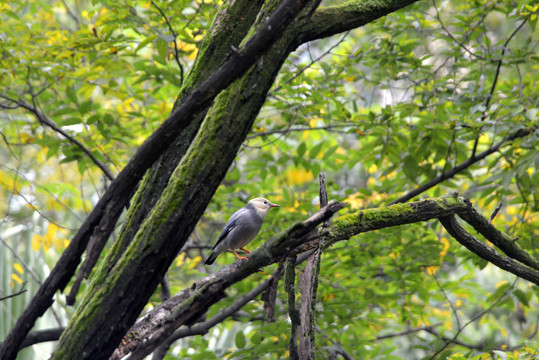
(211, 259)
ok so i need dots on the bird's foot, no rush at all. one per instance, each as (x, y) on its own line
(239, 257)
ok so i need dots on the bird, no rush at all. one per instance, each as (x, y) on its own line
(241, 228)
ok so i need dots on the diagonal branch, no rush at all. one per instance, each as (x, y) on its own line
(45, 120)
(21, 291)
(462, 166)
(452, 226)
(475, 318)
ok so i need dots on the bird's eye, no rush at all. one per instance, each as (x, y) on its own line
(265, 202)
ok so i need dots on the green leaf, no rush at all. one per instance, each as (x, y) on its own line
(144, 42)
(240, 340)
(519, 294)
(71, 94)
(11, 13)
(162, 50)
(302, 148)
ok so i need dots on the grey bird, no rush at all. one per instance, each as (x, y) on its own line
(241, 228)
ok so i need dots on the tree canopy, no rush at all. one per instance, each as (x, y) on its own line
(132, 131)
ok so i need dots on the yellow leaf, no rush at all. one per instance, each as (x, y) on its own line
(51, 231)
(431, 270)
(298, 176)
(48, 239)
(355, 201)
(58, 243)
(180, 259)
(373, 168)
(194, 262)
(36, 242)
(16, 278)
(18, 267)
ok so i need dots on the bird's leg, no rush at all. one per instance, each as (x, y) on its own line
(239, 257)
(247, 251)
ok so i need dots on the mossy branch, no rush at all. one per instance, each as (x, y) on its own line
(335, 19)
(199, 297)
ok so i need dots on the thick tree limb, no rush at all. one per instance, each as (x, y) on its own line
(452, 226)
(503, 241)
(102, 219)
(331, 20)
(308, 286)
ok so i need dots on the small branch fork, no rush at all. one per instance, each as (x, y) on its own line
(21, 291)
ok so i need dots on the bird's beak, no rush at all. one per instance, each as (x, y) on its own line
(274, 205)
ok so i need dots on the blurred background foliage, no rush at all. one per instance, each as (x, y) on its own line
(380, 110)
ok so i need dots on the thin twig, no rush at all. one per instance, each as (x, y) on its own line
(495, 212)
(14, 191)
(475, 318)
(176, 52)
(21, 291)
(495, 82)
(453, 309)
(313, 61)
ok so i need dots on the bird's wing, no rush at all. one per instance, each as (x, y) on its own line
(231, 224)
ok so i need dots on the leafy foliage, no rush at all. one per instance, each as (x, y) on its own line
(380, 110)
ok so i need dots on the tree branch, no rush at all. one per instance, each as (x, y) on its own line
(191, 303)
(331, 20)
(45, 120)
(293, 313)
(495, 82)
(21, 291)
(503, 241)
(462, 166)
(475, 318)
(477, 247)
